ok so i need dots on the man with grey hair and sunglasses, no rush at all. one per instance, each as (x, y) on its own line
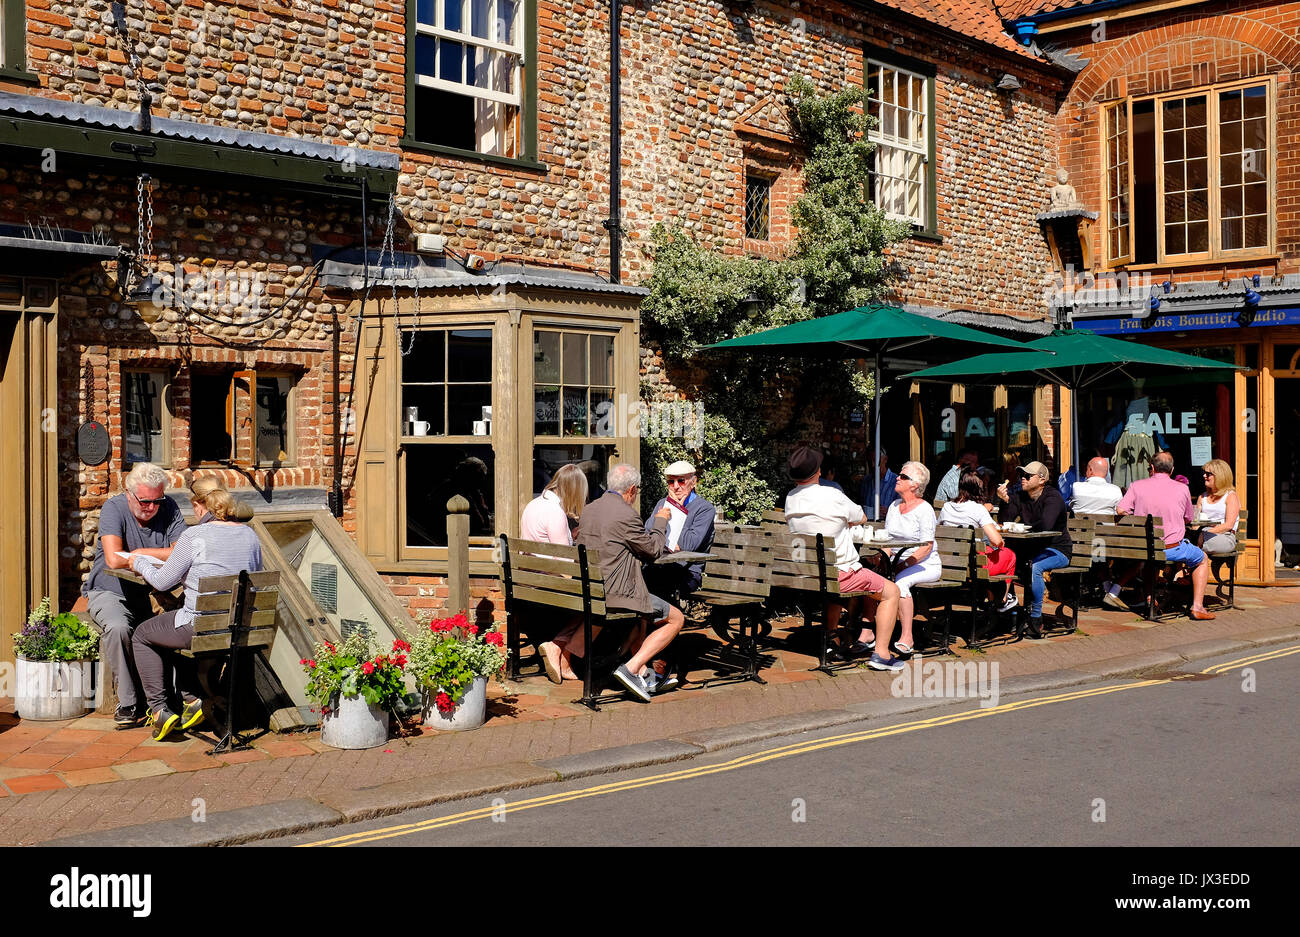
(141, 521)
(612, 526)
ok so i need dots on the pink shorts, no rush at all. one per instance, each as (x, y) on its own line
(860, 580)
(1002, 561)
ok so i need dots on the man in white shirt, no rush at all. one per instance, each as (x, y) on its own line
(1095, 495)
(811, 509)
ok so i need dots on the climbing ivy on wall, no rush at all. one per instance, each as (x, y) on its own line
(699, 295)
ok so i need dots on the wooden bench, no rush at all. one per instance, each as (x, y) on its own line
(536, 576)
(804, 563)
(1220, 560)
(735, 588)
(1137, 538)
(1082, 531)
(234, 615)
(956, 584)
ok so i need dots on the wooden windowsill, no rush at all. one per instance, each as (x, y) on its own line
(1220, 262)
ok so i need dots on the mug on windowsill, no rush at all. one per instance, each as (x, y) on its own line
(420, 428)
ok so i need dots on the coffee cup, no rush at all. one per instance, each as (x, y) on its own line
(480, 428)
(420, 428)
(881, 534)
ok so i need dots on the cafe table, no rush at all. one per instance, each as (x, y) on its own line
(163, 600)
(685, 556)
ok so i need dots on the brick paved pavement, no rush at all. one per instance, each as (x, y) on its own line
(59, 779)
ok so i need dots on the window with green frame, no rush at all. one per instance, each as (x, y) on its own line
(13, 41)
(471, 84)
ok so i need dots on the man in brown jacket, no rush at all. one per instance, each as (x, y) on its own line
(611, 525)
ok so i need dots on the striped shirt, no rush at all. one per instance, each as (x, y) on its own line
(204, 550)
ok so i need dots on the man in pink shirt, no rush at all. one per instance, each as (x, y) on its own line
(1169, 500)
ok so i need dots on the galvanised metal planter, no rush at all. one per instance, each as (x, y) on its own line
(353, 723)
(469, 713)
(55, 690)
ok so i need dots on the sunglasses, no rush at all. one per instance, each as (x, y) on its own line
(1207, 474)
(156, 502)
(905, 478)
(678, 481)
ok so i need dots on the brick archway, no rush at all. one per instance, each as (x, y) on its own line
(1252, 34)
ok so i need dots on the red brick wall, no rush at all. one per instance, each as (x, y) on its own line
(1169, 51)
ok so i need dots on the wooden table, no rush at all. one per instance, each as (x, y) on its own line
(163, 600)
(684, 556)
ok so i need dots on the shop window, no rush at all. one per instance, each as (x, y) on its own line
(274, 423)
(758, 208)
(1189, 176)
(470, 75)
(145, 417)
(446, 428)
(594, 460)
(899, 103)
(573, 384)
(242, 418)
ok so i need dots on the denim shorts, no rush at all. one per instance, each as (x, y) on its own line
(1185, 552)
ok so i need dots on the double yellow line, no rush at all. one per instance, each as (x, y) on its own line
(771, 754)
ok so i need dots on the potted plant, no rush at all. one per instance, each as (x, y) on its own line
(356, 689)
(451, 661)
(56, 669)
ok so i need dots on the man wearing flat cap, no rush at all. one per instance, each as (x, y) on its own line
(690, 530)
(811, 509)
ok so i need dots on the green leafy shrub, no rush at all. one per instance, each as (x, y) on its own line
(55, 637)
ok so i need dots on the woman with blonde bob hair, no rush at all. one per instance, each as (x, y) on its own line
(1221, 506)
(552, 517)
(218, 545)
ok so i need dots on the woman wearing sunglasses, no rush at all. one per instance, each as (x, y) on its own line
(912, 518)
(220, 544)
(1221, 506)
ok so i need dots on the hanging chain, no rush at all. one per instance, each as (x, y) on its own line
(148, 207)
(144, 220)
(139, 215)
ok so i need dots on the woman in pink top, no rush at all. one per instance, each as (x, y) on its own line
(552, 517)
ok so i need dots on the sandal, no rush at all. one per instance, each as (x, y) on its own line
(552, 664)
(904, 648)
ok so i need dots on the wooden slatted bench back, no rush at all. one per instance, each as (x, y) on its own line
(1084, 544)
(957, 549)
(215, 610)
(795, 565)
(551, 574)
(1132, 537)
(743, 569)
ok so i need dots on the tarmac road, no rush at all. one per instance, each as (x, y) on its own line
(1206, 759)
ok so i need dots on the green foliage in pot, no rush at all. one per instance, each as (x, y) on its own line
(55, 637)
(448, 655)
(355, 668)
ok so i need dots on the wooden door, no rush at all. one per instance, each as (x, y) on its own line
(28, 497)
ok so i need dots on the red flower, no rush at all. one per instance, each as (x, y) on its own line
(473, 630)
(311, 664)
(494, 638)
(444, 703)
(400, 660)
(400, 645)
(367, 667)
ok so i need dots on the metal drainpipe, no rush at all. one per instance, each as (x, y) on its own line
(615, 150)
(336, 489)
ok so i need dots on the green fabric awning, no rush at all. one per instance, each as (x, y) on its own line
(1073, 358)
(871, 330)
